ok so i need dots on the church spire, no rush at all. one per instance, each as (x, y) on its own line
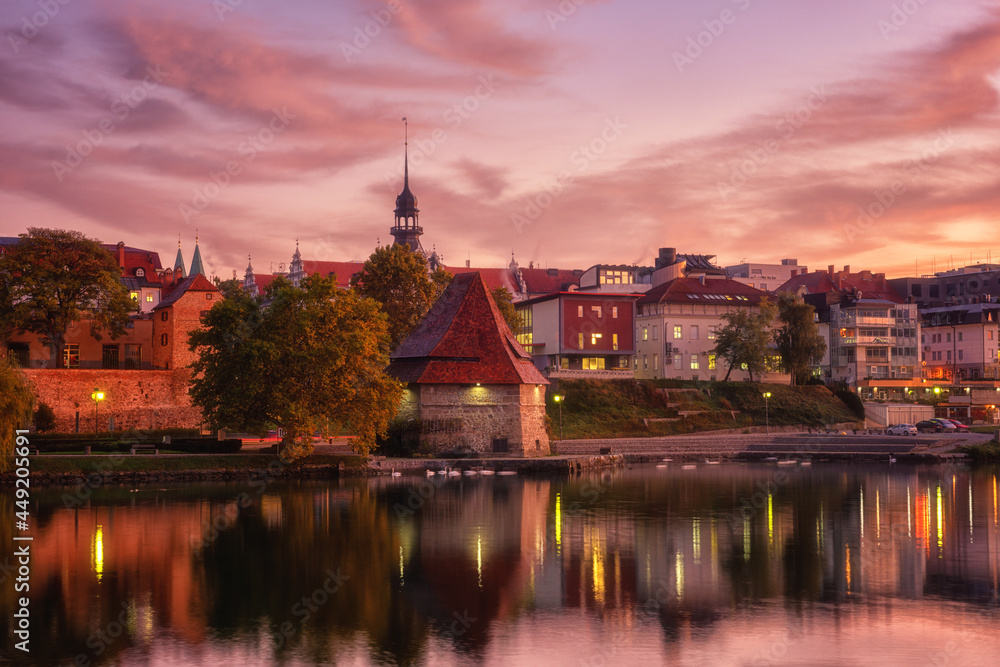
(296, 272)
(179, 261)
(249, 279)
(407, 229)
(196, 263)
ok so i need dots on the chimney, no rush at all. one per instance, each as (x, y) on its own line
(829, 270)
(847, 268)
(467, 263)
(167, 279)
(121, 256)
(666, 257)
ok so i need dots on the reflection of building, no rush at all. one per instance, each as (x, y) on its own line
(469, 383)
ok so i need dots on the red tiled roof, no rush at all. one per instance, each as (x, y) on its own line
(343, 270)
(138, 258)
(195, 283)
(543, 281)
(871, 286)
(712, 291)
(817, 282)
(493, 277)
(463, 339)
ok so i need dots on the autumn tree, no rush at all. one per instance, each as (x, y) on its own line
(16, 402)
(505, 304)
(798, 338)
(313, 358)
(398, 280)
(229, 288)
(53, 279)
(744, 339)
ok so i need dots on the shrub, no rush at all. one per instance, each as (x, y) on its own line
(852, 401)
(45, 418)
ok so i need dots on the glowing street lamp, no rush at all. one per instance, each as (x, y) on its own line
(97, 397)
(767, 424)
(559, 398)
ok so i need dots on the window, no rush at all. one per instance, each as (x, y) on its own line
(655, 332)
(594, 338)
(140, 273)
(678, 331)
(20, 353)
(109, 356)
(915, 290)
(208, 296)
(693, 330)
(948, 338)
(656, 362)
(597, 310)
(645, 333)
(949, 355)
(579, 341)
(163, 339)
(959, 336)
(711, 333)
(960, 354)
(593, 363)
(645, 363)
(614, 341)
(694, 362)
(678, 361)
(149, 298)
(614, 311)
(71, 355)
(579, 311)
(135, 298)
(711, 362)
(163, 315)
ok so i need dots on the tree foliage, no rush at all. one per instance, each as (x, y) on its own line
(229, 288)
(798, 338)
(16, 402)
(53, 279)
(744, 339)
(313, 359)
(505, 304)
(398, 280)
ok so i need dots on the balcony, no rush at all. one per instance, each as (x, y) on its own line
(579, 374)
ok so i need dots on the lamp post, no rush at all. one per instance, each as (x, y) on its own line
(559, 398)
(767, 421)
(97, 397)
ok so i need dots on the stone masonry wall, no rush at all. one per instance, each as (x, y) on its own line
(484, 413)
(135, 399)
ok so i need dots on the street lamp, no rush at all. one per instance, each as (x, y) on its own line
(559, 398)
(767, 424)
(97, 397)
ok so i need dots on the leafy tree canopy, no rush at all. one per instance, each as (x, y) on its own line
(229, 288)
(16, 402)
(798, 338)
(55, 278)
(313, 358)
(398, 280)
(745, 337)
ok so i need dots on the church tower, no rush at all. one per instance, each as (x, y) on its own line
(407, 229)
(296, 272)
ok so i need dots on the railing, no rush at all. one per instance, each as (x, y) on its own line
(580, 374)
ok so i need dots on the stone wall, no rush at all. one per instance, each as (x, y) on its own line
(135, 399)
(455, 416)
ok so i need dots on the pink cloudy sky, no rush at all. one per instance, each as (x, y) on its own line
(762, 143)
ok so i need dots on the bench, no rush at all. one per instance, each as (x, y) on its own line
(144, 448)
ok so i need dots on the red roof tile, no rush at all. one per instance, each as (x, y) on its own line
(195, 283)
(463, 339)
(712, 291)
(493, 277)
(343, 270)
(543, 281)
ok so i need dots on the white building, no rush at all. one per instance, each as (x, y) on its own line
(766, 277)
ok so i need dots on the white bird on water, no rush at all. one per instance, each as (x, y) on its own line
(394, 473)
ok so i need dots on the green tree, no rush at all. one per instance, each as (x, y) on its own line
(744, 339)
(798, 338)
(441, 279)
(398, 280)
(229, 288)
(54, 278)
(505, 304)
(313, 359)
(16, 402)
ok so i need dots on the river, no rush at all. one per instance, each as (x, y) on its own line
(732, 564)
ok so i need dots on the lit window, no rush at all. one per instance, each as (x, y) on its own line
(579, 341)
(678, 331)
(711, 333)
(149, 298)
(645, 334)
(598, 311)
(594, 338)
(579, 311)
(694, 362)
(656, 362)
(614, 341)
(711, 362)
(614, 311)
(71, 355)
(678, 361)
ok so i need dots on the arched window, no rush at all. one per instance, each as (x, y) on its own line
(140, 273)
(163, 339)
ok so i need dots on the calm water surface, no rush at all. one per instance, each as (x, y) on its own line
(718, 565)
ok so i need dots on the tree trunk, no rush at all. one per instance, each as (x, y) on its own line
(726, 379)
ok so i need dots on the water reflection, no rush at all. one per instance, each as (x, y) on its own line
(731, 564)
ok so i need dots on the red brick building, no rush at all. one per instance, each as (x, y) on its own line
(176, 316)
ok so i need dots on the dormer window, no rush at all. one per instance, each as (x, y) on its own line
(140, 273)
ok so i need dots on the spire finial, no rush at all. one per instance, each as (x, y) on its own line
(178, 241)
(196, 236)
(406, 159)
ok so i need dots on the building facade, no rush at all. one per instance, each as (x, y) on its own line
(765, 277)
(960, 342)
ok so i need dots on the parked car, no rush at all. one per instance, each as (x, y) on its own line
(902, 429)
(935, 426)
(962, 428)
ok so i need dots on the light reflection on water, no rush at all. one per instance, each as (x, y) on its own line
(723, 565)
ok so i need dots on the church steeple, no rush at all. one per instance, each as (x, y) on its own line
(250, 280)
(407, 229)
(196, 264)
(179, 262)
(296, 272)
